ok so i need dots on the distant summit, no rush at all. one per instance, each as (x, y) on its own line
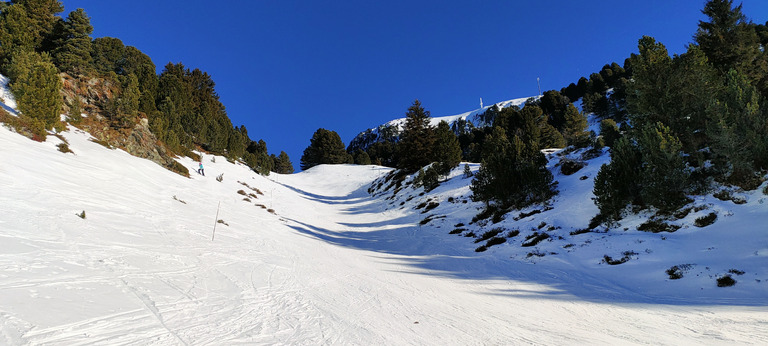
(390, 131)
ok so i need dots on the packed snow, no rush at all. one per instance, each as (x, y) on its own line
(314, 258)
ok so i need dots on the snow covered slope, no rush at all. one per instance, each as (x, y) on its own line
(332, 264)
(392, 129)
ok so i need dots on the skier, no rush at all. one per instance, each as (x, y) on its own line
(200, 170)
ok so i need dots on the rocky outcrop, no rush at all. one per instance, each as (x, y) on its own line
(93, 95)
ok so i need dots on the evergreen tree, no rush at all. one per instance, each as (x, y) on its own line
(575, 127)
(15, 33)
(417, 140)
(73, 43)
(362, 158)
(42, 18)
(664, 178)
(283, 164)
(609, 131)
(554, 105)
(36, 85)
(511, 173)
(739, 130)
(325, 147)
(730, 42)
(617, 183)
(446, 150)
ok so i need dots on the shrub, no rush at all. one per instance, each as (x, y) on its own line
(220, 177)
(626, 256)
(736, 271)
(178, 168)
(674, 273)
(495, 241)
(430, 206)
(513, 233)
(725, 281)
(489, 234)
(705, 220)
(241, 192)
(64, 148)
(569, 166)
(481, 248)
(271, 211)
(656, 226)
(457, 231)
(81, 215)
(524, 215)
(222, 222)
(534, 239)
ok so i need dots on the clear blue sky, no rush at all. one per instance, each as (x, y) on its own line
(286, 68)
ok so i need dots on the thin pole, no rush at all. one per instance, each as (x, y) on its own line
(216, 221)
(538, 82)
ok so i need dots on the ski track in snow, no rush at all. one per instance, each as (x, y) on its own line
(332, 265)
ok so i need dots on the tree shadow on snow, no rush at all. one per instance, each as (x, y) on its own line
(437, 254)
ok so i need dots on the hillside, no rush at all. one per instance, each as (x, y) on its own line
(335, 264)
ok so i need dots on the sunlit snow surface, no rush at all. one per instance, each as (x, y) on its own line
(334, 265)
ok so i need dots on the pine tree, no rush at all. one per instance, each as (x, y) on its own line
(446, 150)
(739, 132)
(664, 179)
(730, 42)
(362, 158)
(36, 86)
(73, 43)
(417, 140)
(609, 132)
(43, 15)
(575, 127)
(617, 183)
(283, 164)
(15, 33)
(325, 147)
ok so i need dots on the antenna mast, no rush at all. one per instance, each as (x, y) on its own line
(538, 82)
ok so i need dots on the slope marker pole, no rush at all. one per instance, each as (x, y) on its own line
(215, 221)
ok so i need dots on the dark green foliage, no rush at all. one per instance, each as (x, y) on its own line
(609, 132)
(513, 173)
(706, 220)
(81, 215)
(568, 166)
(550, 137)
(554, 105)
(15, 35)
(467, 171)
(73, 43)
(27, 25)
(730, 42)
(489, 234)
(575, 127)
(362, 158)
(110, 55)
(677, 272)
(664, 178)
(431, 179)
(534, 239)
(282, 164)
(383, 154)
(36, 84)
(616, 184)
(725, 281)
(325, 147)
(446, 150)
(257, 157)
(738, 131)
(656, 226)
(415, 149)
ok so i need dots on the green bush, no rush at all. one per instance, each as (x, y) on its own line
(705, 220)
(725, 281)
